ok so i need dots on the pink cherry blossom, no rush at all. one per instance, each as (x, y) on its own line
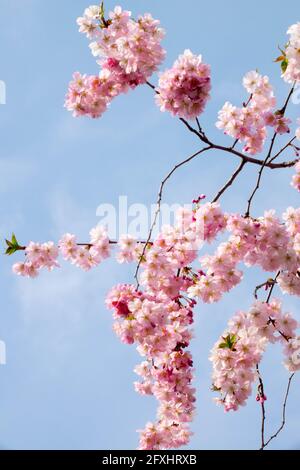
(296, 178)
(128, 53)
(184, 89)
(241, 347)
(292, 52)
(248, 124)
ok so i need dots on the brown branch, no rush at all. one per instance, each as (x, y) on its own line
(272, 282)
(266, 284)
(262, 404)
(283, 109)
(90, 245)
(256, 188)
(283, 149)
(202, 136)
(284, 336)
(283, 413)
(158, 203)
(261, 383)
(253, 160)
(272, 287)
(230, 181)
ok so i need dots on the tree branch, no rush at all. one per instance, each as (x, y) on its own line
(158, 203)
(202, 136)
(230, 181)
(283, 413)
(262, 404)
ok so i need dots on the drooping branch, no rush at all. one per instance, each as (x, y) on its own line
(283, 422)
(261, 395)
(270, 283)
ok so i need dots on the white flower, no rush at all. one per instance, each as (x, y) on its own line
(250, 81)
(296, 357)
(92, 12)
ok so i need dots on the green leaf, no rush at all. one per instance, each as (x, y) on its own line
(14, 240)
(284, 65)
(229, 342)
(102, 11)
(11, 250)
(12, 245)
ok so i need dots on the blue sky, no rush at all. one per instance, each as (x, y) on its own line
(68, 380)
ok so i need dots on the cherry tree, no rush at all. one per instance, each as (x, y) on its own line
(155, 311)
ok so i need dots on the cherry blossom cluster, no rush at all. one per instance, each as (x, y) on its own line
(160, 327)
(177, 247)
(159, 318)
(184, 89)
(89, 95)
(248, 124)
(88, 255)
(241, 346)
(45, 255)
(264, 242)
(38, 256)
(291, 58)
(129, 51)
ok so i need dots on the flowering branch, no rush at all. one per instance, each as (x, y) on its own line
(261, 395)
(158, 312)
(212, 146)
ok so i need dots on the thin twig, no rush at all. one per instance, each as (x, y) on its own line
(283, 149)
(247, 213)
(230, 181)
(158, 204)
(283, 109)
(272, 287)
(262, 404)
(266, 284)
(283, 413)
(261, 384)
